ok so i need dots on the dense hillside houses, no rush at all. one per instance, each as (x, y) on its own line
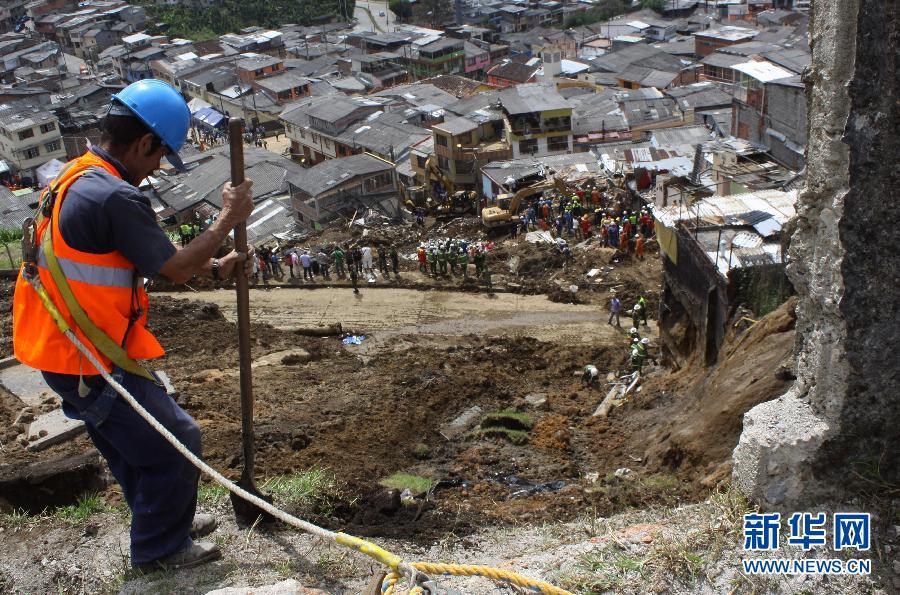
(436, 103)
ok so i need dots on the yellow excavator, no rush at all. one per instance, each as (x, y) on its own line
(500, 216)
(454, 204)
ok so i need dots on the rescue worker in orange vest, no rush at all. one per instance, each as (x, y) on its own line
(96, 240)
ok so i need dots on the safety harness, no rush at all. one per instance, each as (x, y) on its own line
(101, 341)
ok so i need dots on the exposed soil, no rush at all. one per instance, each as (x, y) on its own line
(371, 410)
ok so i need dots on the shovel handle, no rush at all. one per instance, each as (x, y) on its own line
(236, 141)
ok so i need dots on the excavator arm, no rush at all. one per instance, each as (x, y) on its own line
(496, 217)
(433, 172)
(524, 193)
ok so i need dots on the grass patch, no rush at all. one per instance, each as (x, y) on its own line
(681, 554)
(509, 418)
(515, 436)
(508, 424)
(87, 506)
(210, 493)
(402, 481)
(639, 491)
(315, 490)
(20, 518)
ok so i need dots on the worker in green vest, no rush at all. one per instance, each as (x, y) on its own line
(463, 261)
(185, 232)
(643, 304)
(431, 257)
(442, 260)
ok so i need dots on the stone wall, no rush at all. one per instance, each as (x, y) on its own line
(842, 413)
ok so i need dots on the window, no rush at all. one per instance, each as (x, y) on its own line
(528, 147)
(420, 161)
(26, 134)
(327, 143)
(558, 143)
(443, 163)
(463, 139)
(52, 146)
(32, 153)
(48, 127)
(464, 167)
(441, 140)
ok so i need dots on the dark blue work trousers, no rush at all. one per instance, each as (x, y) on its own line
(159, 484)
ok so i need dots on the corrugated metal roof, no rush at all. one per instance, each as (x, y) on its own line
(767, 227)
(743, 224)
(763, 71)
(746, 240)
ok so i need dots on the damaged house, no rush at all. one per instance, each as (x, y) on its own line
(718, 253)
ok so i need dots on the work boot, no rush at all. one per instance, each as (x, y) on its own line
(203, 525)
(191, 555)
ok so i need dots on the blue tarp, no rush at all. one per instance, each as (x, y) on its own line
(208, 116)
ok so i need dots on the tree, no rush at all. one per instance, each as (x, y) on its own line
(601, 12)
(401, 8)
(7, 237)
(438, 11)
(232, 15)
(657, 5)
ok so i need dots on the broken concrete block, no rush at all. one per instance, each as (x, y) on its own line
(52, 428)
(537, 400)
(26, 383)
(288, 357)
(462, 423)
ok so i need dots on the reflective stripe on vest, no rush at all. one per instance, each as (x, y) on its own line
(104, 286)
(91, 274)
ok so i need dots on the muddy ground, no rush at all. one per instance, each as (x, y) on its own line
(433, 350)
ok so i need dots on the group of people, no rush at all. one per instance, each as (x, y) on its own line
(569, 215)
(451, 255)
(205, 139)
(189, 230)
(307, 264)
(638, 347)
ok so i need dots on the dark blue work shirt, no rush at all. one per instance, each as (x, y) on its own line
(100, 214)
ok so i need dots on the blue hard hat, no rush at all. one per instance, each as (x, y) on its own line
(158, 105)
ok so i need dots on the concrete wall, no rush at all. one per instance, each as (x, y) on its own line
(786, 113)
(840, 417)
(694, 303)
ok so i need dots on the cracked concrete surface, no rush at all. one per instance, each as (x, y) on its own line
(841, 413)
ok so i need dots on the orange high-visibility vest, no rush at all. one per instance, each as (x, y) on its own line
(106, 286)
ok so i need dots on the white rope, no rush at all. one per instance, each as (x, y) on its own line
(229, 485)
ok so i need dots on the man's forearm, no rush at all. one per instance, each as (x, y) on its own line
(194, 259)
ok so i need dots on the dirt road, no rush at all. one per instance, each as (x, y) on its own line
(390, 313)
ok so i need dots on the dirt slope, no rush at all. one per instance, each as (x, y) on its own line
(704, 419)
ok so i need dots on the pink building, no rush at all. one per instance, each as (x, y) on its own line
(478, 60)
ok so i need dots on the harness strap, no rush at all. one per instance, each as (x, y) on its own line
(97, 336)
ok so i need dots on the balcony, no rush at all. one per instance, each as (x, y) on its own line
(455, 153)
(524, 127)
